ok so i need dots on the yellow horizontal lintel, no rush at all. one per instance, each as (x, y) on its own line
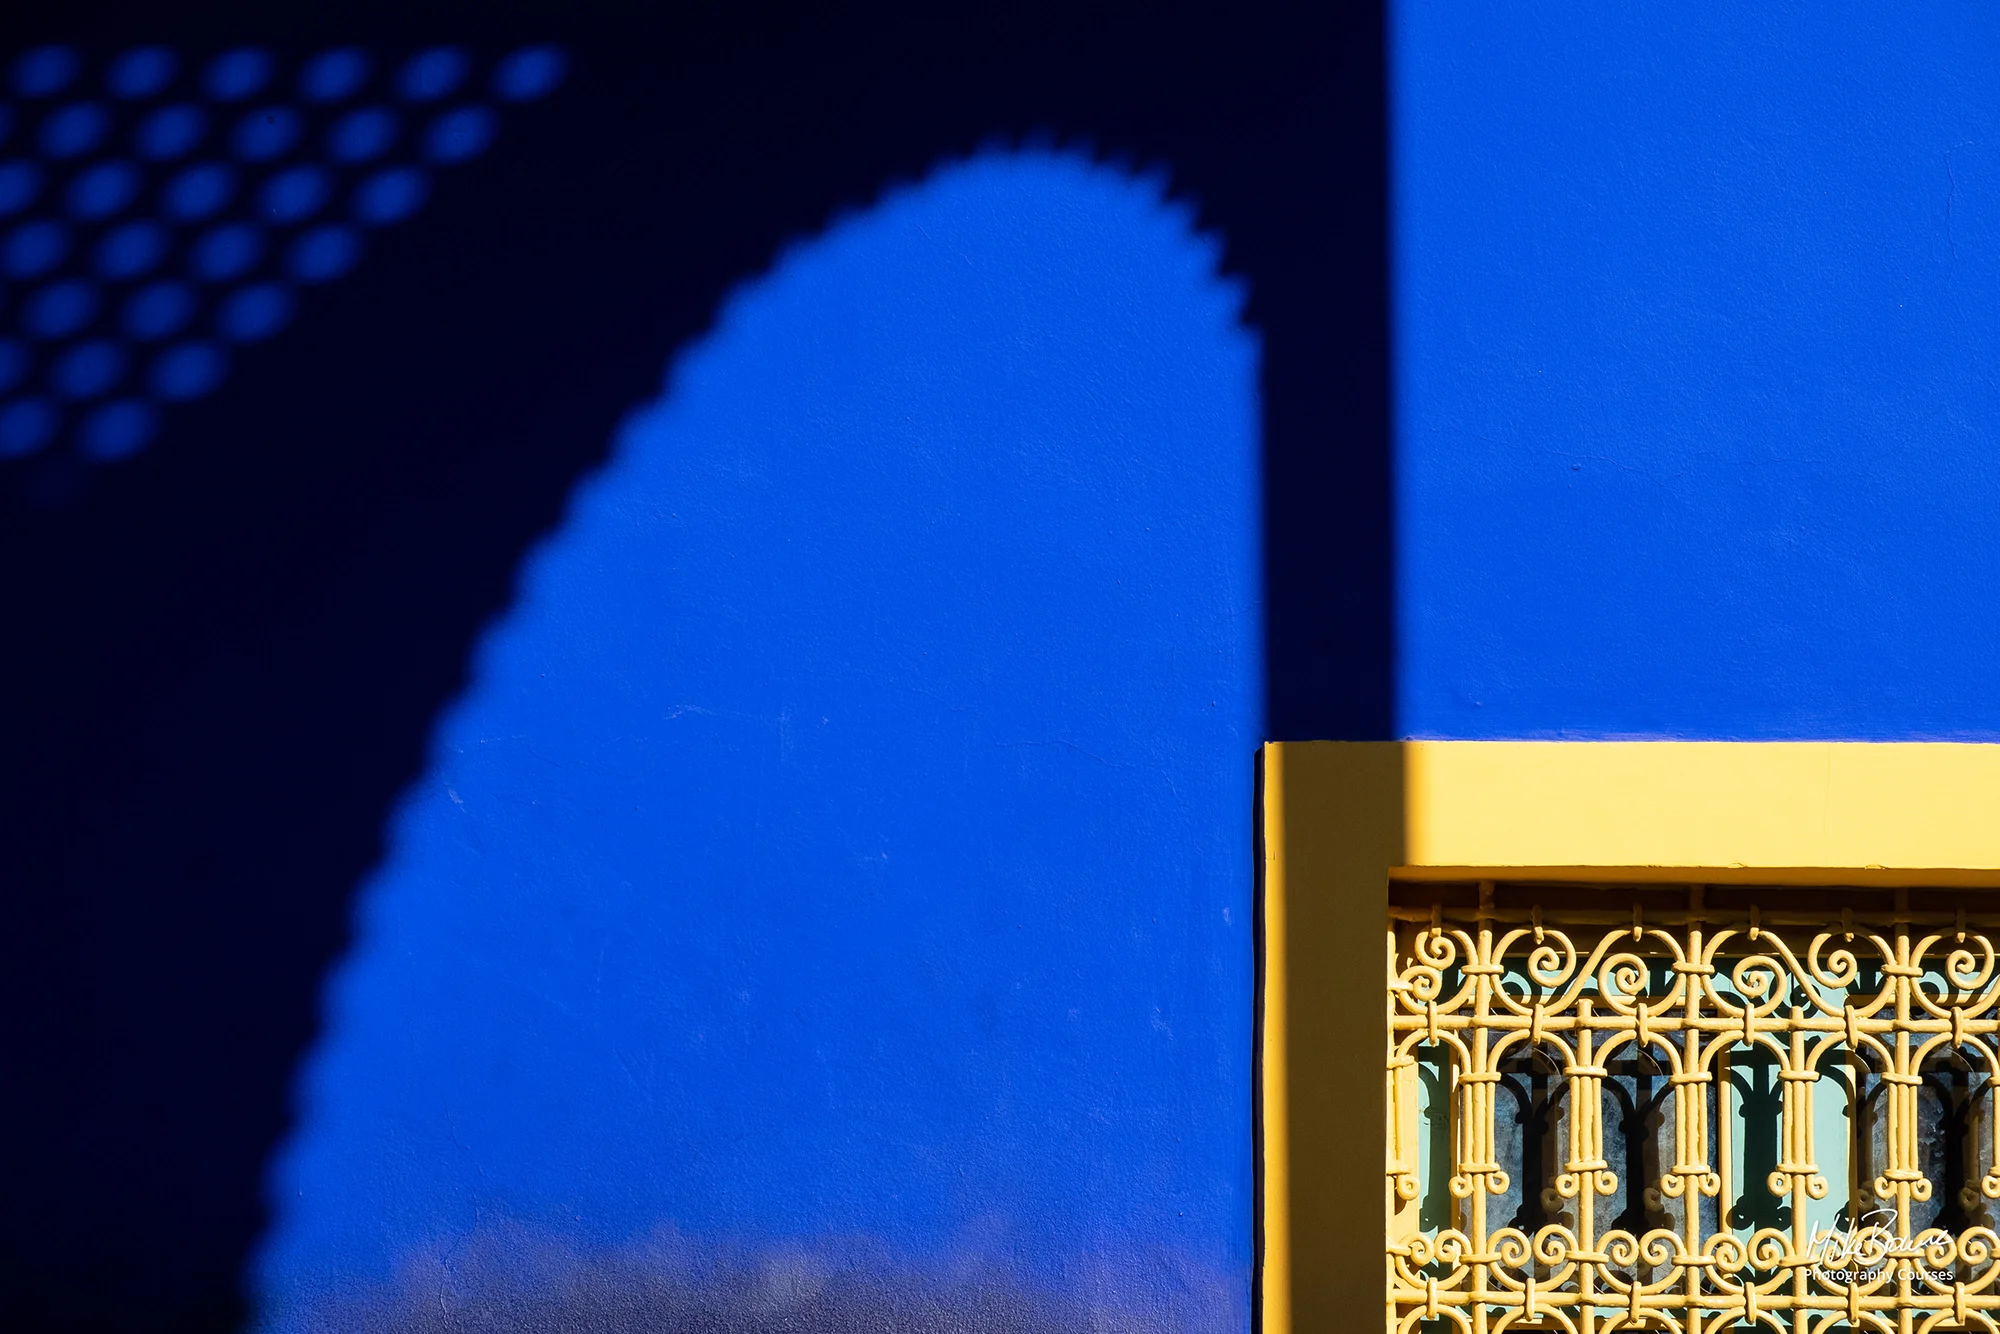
(1798, 807)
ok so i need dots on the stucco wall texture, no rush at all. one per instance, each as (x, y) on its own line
(1697, 405)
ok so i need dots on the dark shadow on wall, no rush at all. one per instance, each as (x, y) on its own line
(225, 655)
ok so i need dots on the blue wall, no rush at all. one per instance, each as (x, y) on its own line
(1698, 418)
(843, 848)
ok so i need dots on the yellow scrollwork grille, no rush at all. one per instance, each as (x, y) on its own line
(1692, 1108)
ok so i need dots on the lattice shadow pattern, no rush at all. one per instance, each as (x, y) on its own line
(157, 211)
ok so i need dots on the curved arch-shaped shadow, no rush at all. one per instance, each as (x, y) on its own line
(834, 838)
(231, 649)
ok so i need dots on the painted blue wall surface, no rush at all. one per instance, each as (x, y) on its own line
(1698, 370)
(843, 850)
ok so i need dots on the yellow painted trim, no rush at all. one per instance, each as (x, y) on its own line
(1332, 824)
(1274, 1258)
(1711, 804)
(1340, 819)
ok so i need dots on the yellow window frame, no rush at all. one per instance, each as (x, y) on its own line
(1340, 820)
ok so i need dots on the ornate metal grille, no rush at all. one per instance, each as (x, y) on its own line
(1688, 1109)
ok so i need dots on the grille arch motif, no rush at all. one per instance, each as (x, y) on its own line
(1692, 1108)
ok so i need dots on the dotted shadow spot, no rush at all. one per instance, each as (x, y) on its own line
(171, 132)
(362, 136)
(131, 250)
(334, 76)
(295, 194)
(229, 251)
(20, 182)
(188, 370)
(158, 311)
(74, 130)
(142, 73)
(60, 309)
(238, 74)
(199, 192)
(267, 133)
(324, 253)
(254, 313)
(459, 135)
(117, 430)
(530, 74)
(88, 370)
(45, 71)
(34, 248)
(25, 426)
(433, 74)
(103, 190)
(390, 196)
(15, 363)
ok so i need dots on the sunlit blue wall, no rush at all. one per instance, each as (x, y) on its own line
(1698, 325)
(844, 845)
